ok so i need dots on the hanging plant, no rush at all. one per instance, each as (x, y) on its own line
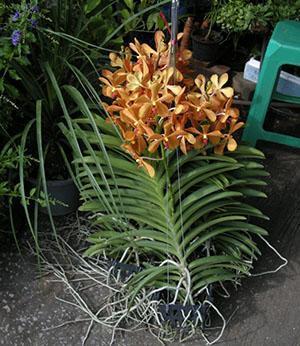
(166, 183)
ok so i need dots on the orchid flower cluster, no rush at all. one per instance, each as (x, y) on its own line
(156, 108)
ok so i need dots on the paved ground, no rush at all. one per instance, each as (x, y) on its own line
(268, 307)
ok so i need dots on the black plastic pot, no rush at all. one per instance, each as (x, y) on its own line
(207, 49)
(64, 191)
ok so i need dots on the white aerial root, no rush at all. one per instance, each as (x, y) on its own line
(79, 274)
(223, 327)
(117, 311)
(285, 261)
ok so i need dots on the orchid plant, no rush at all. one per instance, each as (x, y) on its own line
(182, 220)
(157, 108)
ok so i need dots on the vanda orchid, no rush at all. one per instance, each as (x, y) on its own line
(182, 222)
(157, 108)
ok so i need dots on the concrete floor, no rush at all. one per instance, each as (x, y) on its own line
(268, 307)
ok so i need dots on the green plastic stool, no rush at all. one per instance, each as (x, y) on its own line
(283, 48)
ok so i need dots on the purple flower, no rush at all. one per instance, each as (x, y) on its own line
(16, 16)
(35, 9)
(33, 22)
(16, 37)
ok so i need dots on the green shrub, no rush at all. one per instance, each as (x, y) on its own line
(238, 16)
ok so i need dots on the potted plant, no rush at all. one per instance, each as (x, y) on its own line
(207, 39)
(239, 17)
(165, 181)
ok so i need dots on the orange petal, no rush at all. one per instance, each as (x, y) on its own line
(178, 75)
(199, 144)
(237, 126)
(180, 109)
(215, 133)
(176, 89)
(113, 108)
(134, 48)
(142, 99)
(129, 136)
(205, 128)
(115, 60)
(215, 137)
(200, 82)
(148, 50)
(128, 117)
(107, 74)
(146, 129)
(153, 146)
(166, 98)
(159, 37)
(173, 142)
(232, 144)
(210, 114)
(105, 81)
(186, 54)
(234, 112)
(141, 144)
(190, 138)
(228, 92)
(223, 80)
(215, 80)
(155, 136)
(183, 145)
(179, 36)
(162, 109)
(154, 91)
(150, 170)
(144, 110)
(219, 149)
(168, 73)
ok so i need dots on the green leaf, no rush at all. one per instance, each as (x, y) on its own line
(129, 4)
(13, 74)
(91, 5)
(151, 21)
(125, 13)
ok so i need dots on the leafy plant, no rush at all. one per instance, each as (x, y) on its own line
(8, 160)
(11, 190)
(186, 227)
(60, 46)
(18, 22)
(65, 38)
(238, 16)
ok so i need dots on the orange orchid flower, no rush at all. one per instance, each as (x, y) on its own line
(228, 140)
(229, 112)
(155, 104)
(217, 83)
(140, 161)
(185, 135)
(157, 108)
(135, 81)
(136, 140)
(207, 136)
(113, 82)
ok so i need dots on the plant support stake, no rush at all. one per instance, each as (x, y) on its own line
(174, 28)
